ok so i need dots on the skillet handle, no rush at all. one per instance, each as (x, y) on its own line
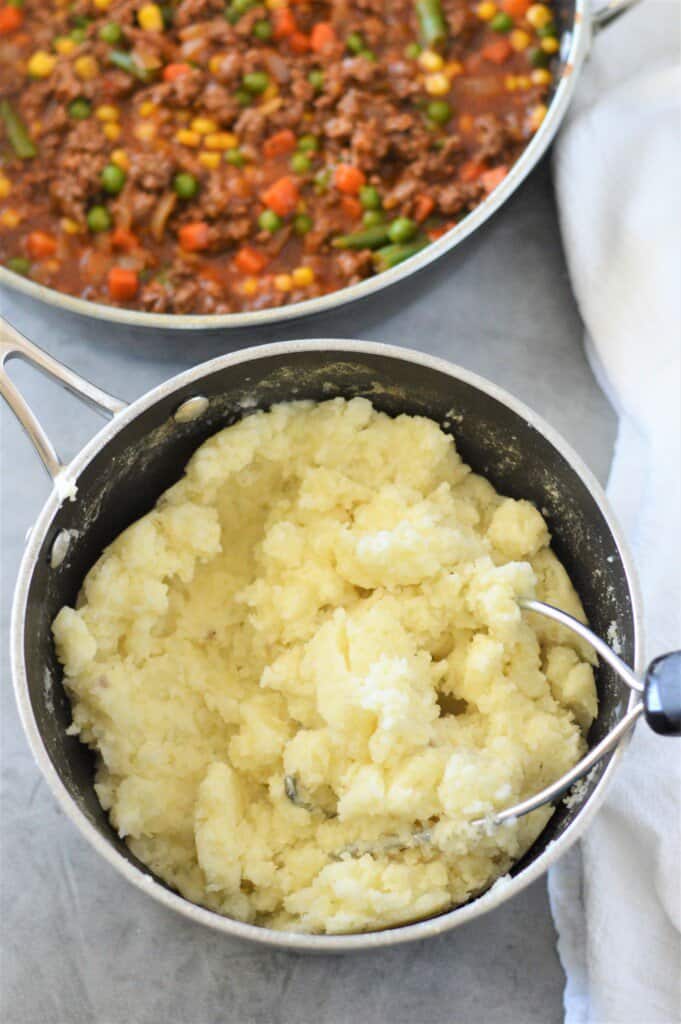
(14, 345)
(605, 11)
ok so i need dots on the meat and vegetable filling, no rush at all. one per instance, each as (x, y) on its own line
(195, 158)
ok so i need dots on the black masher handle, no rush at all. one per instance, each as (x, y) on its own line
(662, 694)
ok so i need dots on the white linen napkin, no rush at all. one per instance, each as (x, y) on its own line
(616, 898)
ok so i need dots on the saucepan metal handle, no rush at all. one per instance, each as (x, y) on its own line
(605, 11)
(14, 345)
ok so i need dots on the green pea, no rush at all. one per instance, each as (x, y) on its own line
(185, 185)
(316, 79)
(308, 144)
(269, 221)
(501, 22)
(439, 111)
(546, 30)
(354, 42)
(369, 197)
(256, 81)
(263, 30)
(78, 34)
(402, 229)
(367, 54)
(302, 224)
(80, 109)
(321, 181)
(243, 97)
(239, 7)
(113, 179)
(98, 219)
(373, 217)
(19, 264)
(111, 33)
(80, 21)
(538, 58)
(300, 163)
(412, 51)
(235, 157)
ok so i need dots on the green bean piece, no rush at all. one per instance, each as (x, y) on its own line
(391, 255)
(402, 229)
(17, 132)
(263, 30)
(431, 22)
(186, 186)
(80, 109)
(98, 219)
(371, 238)
(256, 81)
(300, 164)
(370, 218)
(235, 157)
(354, 42)
(302, 224)
(316, 79)
(111, 33)
(269, 221)
(501, 22)
(20, 265)
(113, 179)
(370, 197)
(126, 62)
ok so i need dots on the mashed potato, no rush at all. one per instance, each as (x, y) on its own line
(306, 674)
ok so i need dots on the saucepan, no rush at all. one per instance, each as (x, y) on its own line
(122, 471)
(576, 21)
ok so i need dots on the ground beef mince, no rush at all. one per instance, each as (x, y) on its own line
(194, 158)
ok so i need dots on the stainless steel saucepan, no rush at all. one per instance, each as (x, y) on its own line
(576, 20)
(123, 470)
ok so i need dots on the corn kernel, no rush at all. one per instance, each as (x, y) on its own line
(5, 186)
(147, 108)
(539, 16)
(146, 131)
(523, 82)
(519, 40)
(302, 276)
(301, 206)
(220, 140)
(65, 46)
(437, 84)
(283, 282)
(431, 61)
(486, 10)
(204, 125)
(541, 76)
(550, 44)
(120, 158)
(10, 218)
(271, 91)
(112, 130)
(107, 112)
(537, 116)
(215, 63)
(86, 68)
(510, 83)
(41, 64)
(209, 160)
(454, 68)
(102, 5)
(274, 5)
(188, 138)
(70, 226)
(150, 18)
(250, 286)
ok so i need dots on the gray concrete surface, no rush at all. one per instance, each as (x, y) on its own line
(81, 947)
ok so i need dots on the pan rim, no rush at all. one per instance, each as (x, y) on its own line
(580, 30)
(294, 941)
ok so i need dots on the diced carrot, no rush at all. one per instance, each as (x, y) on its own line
(282, 196)
(194, 237)
(11, 18)
(348, 179)
(173, 71)
(423, 207)
(351, 207)
(279, 144)
(249, 260)
(490, 179)
(466, 123)
(299, 42)
(121, 238)
(322, 37)
(471, 170)
(40, 245)
(284, 22)
(438, 232)
(123, 284)
(516, 8)
(497, 51)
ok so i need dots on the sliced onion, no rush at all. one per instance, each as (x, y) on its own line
(160, 215)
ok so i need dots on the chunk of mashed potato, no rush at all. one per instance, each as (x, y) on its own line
(306, 674)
